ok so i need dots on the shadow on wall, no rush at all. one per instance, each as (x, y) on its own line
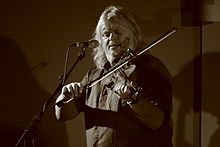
(211, 93)
(184, 91)
(22, 98)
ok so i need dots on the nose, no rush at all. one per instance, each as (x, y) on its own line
(113, 36)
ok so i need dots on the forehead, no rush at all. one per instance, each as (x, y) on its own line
(114, 23)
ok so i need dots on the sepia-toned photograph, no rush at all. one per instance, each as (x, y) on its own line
(117, 73)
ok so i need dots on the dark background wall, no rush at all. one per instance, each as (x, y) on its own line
(34, 37)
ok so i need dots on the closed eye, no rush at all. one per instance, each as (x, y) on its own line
(106, 34)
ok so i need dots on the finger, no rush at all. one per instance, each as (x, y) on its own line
(65, 91)
(127, 90)
(122, 89)
(118, 89)
(80, 87)
(70, 87)
(124, 92)
(76, 90)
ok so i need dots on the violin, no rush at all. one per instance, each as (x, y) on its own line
(119, 80)
(123, 74)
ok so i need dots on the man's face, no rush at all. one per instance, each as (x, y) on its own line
(116, 39)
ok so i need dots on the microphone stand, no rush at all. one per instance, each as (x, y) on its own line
(119, 66)
(30, 133)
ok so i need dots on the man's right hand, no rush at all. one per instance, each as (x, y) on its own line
(74, 90)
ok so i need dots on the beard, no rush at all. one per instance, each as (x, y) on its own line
(114, 52)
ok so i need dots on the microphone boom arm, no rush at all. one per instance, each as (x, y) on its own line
(31, 129)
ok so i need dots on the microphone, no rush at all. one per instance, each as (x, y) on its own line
(91, 43)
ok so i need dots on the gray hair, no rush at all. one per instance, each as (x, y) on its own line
(127, 19)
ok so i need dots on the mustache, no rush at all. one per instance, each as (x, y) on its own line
(124, 43)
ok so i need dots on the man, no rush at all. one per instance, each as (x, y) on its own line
(130, 107)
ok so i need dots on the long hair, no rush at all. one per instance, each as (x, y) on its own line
(126, 18)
